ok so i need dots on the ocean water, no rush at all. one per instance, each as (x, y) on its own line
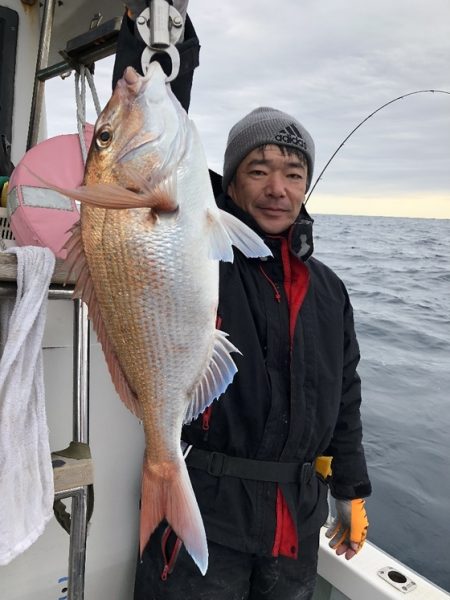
(397, 271)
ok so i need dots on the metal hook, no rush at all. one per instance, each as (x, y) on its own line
(160, 27)
(171, 51)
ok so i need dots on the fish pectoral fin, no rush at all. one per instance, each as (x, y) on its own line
(114, 196)
(220, 244)
(246, 240)
(102, 195)
(227, 230)
(161, 193)
(108, 195)
(216, 379)
(84, 288)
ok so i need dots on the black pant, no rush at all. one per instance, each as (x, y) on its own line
(231, 575)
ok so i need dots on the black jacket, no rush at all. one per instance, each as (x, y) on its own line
(285, 404)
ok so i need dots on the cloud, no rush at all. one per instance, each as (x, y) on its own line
(331, 63)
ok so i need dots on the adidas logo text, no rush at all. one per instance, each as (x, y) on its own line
(291, 135)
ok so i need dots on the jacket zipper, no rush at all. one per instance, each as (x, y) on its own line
(206, 416)
(169, 564)
(274, 285)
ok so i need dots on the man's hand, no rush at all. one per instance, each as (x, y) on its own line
(348, 531)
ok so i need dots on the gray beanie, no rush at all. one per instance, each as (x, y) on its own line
(262, 126)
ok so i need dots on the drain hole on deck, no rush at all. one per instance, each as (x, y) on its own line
(397, 577)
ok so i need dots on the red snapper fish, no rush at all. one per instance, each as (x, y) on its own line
(146, 254)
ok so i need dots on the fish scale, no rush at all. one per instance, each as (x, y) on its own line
(140, 258)
(151, 238)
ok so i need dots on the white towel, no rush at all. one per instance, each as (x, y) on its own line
(26, 476)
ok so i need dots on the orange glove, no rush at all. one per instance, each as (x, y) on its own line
(348, 530)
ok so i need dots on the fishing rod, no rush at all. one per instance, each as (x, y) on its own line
(361, 123)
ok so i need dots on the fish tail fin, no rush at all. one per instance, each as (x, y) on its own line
(173, 498)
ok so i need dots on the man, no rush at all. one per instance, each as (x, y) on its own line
(255, 456)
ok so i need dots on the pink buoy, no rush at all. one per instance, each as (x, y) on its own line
(40, 216)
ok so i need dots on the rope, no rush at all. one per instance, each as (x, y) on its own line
(80, 98)
(90, 80)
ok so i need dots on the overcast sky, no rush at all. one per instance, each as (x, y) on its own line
(330, 63)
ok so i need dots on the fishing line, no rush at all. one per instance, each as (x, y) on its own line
(361, 123)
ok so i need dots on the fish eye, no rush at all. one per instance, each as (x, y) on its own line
(104, 138)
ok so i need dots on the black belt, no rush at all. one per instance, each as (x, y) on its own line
(218, 464)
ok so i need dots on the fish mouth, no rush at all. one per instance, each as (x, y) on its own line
(136, 82)
(133, 80)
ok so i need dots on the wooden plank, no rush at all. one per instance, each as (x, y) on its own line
(8, 269)
(69, 473)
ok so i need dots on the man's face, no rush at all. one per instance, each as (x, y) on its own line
(271, 187)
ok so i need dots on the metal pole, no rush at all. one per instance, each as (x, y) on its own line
(77, 548)
(78, 529)
(77, 545)
(9, 290)
(42, 62)
(81, 373)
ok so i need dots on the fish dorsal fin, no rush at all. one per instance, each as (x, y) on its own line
(227, 230)
(216, 379)
(84, 289)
